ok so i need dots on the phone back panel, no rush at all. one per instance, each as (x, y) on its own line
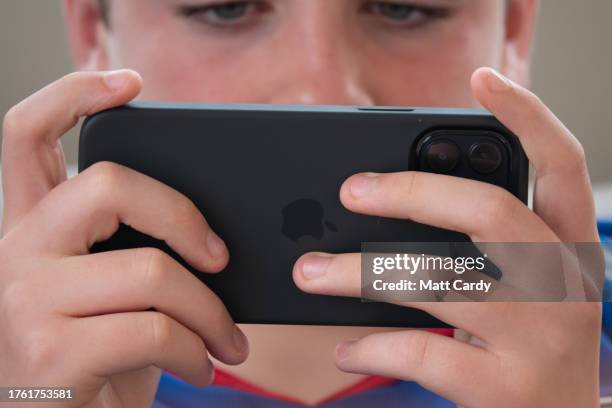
(267, 180)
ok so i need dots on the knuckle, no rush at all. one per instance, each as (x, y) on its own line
(576, 160)
(409, 185)
(559, 339)
(104, 178)
(559, 343)
(592, 314)
(38, 345)
(81, 80)
(532, 97)
(578, 151)
(495, 206)
(107, 171)
(41, 349)
(87, 84)
(414, 349)
(13, 118)
(570, 159)
(17, 297)
(72, 76)
(154, 268)
(160, 329)
(185, 211)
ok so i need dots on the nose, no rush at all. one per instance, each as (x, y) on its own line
(321, 89)
(318, 64)
(321, 82)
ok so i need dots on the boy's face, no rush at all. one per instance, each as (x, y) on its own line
(400, 52)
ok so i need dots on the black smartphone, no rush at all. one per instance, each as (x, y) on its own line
(267, 179)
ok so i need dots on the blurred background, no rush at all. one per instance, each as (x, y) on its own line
(571, 72)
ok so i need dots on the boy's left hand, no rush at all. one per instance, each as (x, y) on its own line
(523, 354)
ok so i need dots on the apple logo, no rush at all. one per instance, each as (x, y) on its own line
(303, 218)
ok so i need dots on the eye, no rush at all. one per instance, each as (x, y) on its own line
(405, 14)
(230, 13)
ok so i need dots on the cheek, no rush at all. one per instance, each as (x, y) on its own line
(185, 74)
(188, 79)
(177, 65)
(437, 73)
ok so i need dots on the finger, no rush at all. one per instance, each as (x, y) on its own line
(483, 211)
(32, 158)
(555, 153)
(340, 275)
(140, 279)
(120, 342)
(329, 274)
(446, 366)
(90, 207)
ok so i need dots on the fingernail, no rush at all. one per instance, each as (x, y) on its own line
(116, 80)
(315, 266)
(363, 184)
(343, 350)
(240, 340)
(216, 246)
(497, 82)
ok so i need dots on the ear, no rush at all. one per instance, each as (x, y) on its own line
(86, 34)
(520, 28)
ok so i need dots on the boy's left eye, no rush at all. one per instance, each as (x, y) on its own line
(405, 14)
(229, 11)
(222, 14)
(394, 11)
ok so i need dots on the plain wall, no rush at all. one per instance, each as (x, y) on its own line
(571, 73)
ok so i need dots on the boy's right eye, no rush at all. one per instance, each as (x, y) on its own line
(230, 11)
(224, 14)
(407, 14)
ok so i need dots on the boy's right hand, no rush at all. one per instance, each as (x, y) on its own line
(80, 320)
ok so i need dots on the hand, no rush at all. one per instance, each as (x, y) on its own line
(520, 354)
(74, 319)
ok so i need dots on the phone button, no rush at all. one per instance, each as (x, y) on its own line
(384, 109)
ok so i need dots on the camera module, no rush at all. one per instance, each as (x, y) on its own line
(442, 156)
(485, 157)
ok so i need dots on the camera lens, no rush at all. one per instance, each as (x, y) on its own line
(485, 157)
(442, 156)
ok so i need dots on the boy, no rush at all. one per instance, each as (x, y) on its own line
(93, 308)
